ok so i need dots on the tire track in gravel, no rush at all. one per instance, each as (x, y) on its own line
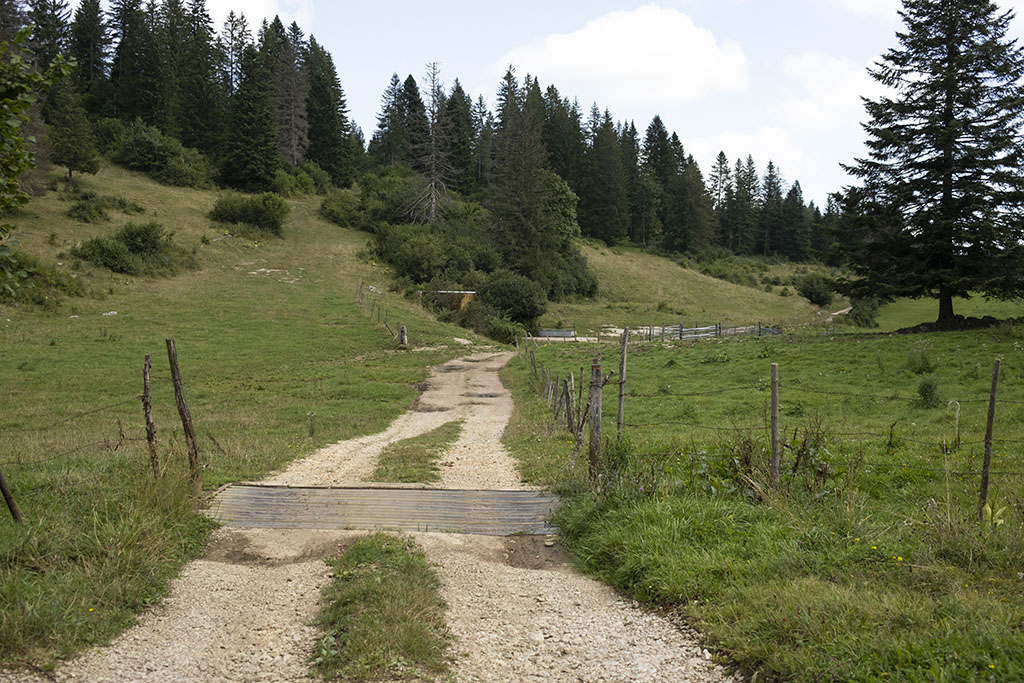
(516, 609)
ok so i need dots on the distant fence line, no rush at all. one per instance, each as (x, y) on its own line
(662, 332)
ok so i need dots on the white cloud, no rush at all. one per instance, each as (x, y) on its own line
(641, 59)
(879, 9)
(827, 93)
(765, 143)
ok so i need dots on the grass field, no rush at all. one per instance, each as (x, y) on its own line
(637, 288)
(277, 360)
(867, 534)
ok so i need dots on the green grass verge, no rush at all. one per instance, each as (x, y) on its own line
(910, 312)
(277, 359)
(415, 460)
(868, 562)
(383, 615)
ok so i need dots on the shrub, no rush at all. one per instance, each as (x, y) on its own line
(919, 362)
(284, 184)
(520, 299)
(88, 211)
(864, 313)
(108, 133)
(816, 288)
(342, 207)
(505, 330)
(928, 391)
(144, 148)
(137, 249)
(91, 208)
(321, 179)
(265, 211)
(39, 284)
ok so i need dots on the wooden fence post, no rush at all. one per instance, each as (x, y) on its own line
(147, 409)
(195, 473)
(11, 505)
(775, 425)
(403, 335)
(985, 466)
(595, 420)
(533, 363)
(622, 382)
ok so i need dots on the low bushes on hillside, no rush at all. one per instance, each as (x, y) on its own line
(266, 212)
(89, 207)
(137, 249)
(519, 298)
(37, 283)
(816, 288)
(144, 148)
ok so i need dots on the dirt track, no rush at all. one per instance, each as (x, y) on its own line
(517, 611)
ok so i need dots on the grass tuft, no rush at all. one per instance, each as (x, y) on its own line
(383, 615)
(415, 460)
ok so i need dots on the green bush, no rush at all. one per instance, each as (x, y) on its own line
(505, 330)
(265, 211)
(88, 211)
(284, 184)
(320, 178)
(144, 148)
(91, 208)
(928, 391)
(39, 284)
(864, 313)
(137, 249)
(816, 288)
(343, 207)
(108, 133)
(520, 299)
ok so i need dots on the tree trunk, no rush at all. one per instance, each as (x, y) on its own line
(945, 303)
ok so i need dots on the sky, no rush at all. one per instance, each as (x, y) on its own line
(780, 80)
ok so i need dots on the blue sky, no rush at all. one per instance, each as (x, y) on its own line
(780, 80)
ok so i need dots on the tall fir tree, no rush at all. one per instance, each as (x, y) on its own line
(327, 116)
(416, 124)
(769, 216)
(89, 46)
(793, 239)
(251, 154)
(202, 108)
(390, 142)
(70, 136)
(234, 37)
(51, 35)
(940, 212)
(458, 145)
(604, 202)
(483, 142)
(563, 137)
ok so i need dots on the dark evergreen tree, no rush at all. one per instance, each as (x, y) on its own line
(483, 147)
(202, 108)
(769, 217)
(629, 145)
(89, 46)
(720, 180)
(604, 203)
(460, 139)
(12, 18)
(234, 38)
(135, 73)
(793, 238)
(431, 155)
(415, 122)
(51, 34)
(563, 137)
(70, 134)
(939, 212)
(251, 153)
(327, 116)
(389, 140)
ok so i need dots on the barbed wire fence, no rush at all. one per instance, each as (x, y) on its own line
(574, 413)
(123, 431)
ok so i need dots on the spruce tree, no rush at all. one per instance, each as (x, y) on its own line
(563, 137)
(89, 46)
(415, 122)
(50, 36)
(251, 153)
(202, 107)
(604, 203)
(70, 135)
(769, 217)
(793, 238)
(12, 18)
(327, 116)
(483, 147)
(234, 37)
(458, 145)
(390, 141)
(939, 211)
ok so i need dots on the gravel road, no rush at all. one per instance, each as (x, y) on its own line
(516, 609)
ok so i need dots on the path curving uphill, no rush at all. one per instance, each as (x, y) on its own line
(516, 609)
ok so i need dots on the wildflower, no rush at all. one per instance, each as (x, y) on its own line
(90, 609)
(874, 547)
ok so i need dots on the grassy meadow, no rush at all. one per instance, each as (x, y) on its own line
(637, 288)
(873, 527)
(277, 360)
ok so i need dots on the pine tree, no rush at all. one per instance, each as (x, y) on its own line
(793, 238)
(720, 180)
(89, 46)
(769, 217)
(12, 18)
(390, 142)
(234, 37)
(604, 204)
(70, 135)
(483, 147)
(202, 110)
(51, 34)
(458, 146)
(327, 116)
(939, 212)
(414, 116)
(135, 71)
(629, 144)
(563, 137)
(251, 153)
(430, 156)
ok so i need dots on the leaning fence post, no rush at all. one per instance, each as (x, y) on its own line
(983, 495)
(775, 424)
(195, 474)
(595, 419)
(622, 381)
(147, 410)
(11, 505)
